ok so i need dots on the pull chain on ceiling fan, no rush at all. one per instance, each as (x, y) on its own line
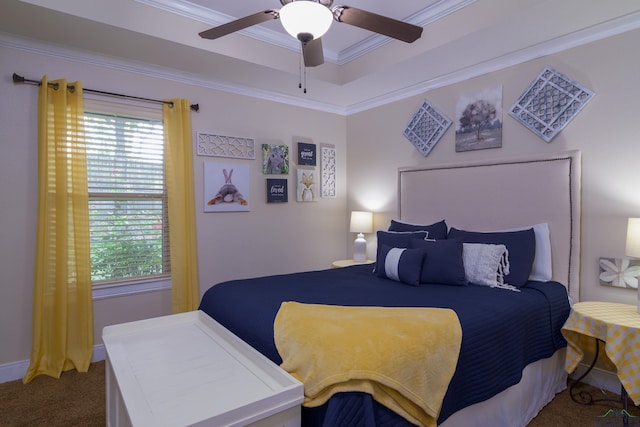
(309, 20)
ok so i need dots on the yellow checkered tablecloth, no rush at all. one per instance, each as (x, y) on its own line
(618, 325)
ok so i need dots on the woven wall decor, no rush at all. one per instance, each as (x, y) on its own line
(328, 165)
(549, 103)
(426, 127)
(225, 146)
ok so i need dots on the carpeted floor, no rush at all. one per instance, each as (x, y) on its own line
(79, 400)
(564, 412)
(75, 399)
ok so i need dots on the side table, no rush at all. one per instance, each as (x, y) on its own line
(615, 325)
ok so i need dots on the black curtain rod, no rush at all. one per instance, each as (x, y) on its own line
(19, 79)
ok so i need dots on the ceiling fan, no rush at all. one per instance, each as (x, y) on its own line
(309, 20)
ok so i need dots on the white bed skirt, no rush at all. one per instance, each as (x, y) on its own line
(520, 403)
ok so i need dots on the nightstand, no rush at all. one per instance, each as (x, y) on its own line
(348, 262)
(617, 326)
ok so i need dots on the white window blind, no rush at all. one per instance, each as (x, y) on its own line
(127, 197)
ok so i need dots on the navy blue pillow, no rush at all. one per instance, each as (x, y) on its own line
(400, 264)
(396, 240)
(520, 244)
(437, 230)
(443, 262)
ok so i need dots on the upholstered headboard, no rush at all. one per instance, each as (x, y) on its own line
(501, 194)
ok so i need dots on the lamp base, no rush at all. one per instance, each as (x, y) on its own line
(360, 249)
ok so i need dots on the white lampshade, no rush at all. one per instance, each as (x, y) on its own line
(361, 222)
(633, 238)
(306, 16)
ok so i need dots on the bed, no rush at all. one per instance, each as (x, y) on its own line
(510, 355)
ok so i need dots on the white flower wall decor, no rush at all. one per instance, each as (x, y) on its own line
(620, 273)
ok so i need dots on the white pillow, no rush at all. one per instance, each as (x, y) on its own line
(542, 270)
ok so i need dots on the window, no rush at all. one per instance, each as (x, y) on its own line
(127, 195)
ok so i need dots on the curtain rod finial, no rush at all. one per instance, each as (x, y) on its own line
(17, 78)
(195, 107)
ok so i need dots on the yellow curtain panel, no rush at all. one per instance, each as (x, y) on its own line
(62, 330)
(182, 228)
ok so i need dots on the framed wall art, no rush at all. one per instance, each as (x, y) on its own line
(307, 185)
(226, 187)
(277, 190)
(306, 154)
(619, 272)
(275, 159)
(479, 120)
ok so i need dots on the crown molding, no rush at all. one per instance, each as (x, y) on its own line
(190, 10)
(209, 16)
(40, 48)
(421, 18)
(589, 35)
(578, 38)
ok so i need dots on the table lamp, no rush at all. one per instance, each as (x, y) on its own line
(361, 222)
(633, 244)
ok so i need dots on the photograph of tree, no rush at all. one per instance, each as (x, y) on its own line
(479, 120)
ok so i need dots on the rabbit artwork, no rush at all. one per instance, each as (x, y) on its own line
(306, 181)
(275, 162)
(228, 193)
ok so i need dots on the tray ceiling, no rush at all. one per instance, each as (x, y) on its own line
(461, 39)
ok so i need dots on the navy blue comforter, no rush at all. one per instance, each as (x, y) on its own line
(502, 331)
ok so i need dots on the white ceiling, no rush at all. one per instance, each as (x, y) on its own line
(343, 42)
(461, 39)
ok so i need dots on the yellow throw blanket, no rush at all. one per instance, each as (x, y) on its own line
(403, 357)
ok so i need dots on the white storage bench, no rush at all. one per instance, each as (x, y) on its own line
(188, 370)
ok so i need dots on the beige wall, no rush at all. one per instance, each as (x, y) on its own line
(298, 236)
(271, 238)
(606, 132)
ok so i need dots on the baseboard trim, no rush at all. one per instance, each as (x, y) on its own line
(16, 370)
(599, 378)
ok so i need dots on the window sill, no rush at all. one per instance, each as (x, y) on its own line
(130, 288)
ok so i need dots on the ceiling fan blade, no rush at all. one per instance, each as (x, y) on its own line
(239, 24)
(377, 23)
(312, 53)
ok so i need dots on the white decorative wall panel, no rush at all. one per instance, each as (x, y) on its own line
(225, 146)
(550, 103)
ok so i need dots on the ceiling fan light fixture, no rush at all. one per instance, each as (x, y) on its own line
(306, 16)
